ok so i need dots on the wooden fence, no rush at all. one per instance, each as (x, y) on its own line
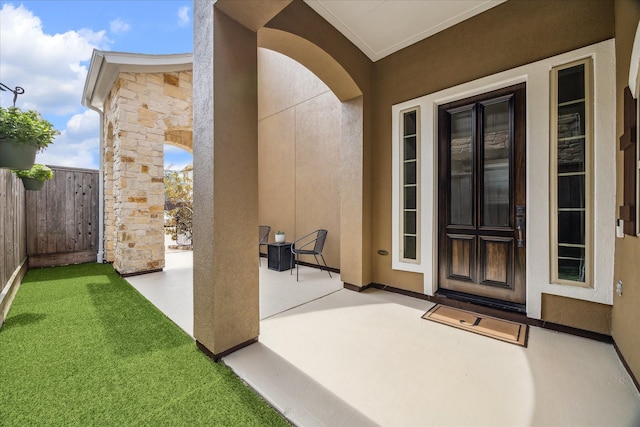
(55, 226)
(62, 219)
(13, 238)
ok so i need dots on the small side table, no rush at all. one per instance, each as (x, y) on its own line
(279, 256)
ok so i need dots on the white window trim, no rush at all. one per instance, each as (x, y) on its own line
(536, 76)
(399, 263)
(589, 172)
(418, 185)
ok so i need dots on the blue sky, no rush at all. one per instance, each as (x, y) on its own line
(46, 46)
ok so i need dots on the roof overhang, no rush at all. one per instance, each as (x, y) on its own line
(106, 66)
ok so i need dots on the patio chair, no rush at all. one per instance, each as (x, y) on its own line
(263, 239)
(302, 246)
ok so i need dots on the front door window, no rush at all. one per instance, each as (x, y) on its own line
(482, 196)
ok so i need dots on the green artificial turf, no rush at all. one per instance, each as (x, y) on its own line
(81, 347)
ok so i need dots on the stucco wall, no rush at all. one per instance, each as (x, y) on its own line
(508, 36)
(357, 182)
(626, 308)
(299, 132)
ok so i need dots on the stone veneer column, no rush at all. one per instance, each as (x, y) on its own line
(226, 307)
(108, 193)
(138, 169)
(144, 111)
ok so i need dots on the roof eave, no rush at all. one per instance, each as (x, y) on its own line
(106, 66)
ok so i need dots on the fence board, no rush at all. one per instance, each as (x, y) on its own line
(65, 218)
(12, 226)
(69, 206)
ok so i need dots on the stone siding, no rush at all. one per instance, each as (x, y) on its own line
(143, 112)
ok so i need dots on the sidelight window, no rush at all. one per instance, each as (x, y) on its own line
(409, 178)
(571, 173)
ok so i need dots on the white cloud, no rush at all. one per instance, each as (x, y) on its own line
(84, 124)
(183, 16)
(118, 26)
(176, 166)
(50, 67)
(77, 145)
(176, 158)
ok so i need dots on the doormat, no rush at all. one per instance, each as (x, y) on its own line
(503, 330)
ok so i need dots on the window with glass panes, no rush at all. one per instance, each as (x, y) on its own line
(571, 173)
(409, 173)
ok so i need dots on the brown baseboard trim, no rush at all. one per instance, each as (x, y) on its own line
(216, 357)
(319, 267)
(138, 273)
(626, 366)
(404, 292)
(350, 287)
(506, 315)
(596, 336)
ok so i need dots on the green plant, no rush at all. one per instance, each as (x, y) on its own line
(38, 171)
(178, 194)
(279, 232)
(25, 127)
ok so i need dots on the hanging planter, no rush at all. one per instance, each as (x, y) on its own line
(17, 156)
(32, 184)
(34, 178)
(22, 135)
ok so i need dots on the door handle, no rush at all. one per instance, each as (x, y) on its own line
(520, 228)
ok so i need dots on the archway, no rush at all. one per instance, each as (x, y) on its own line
(144, 111)
(178, 201)
(351, 166)
(226, 310)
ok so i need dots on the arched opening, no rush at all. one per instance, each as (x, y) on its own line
(299, 183)
(178, 197)
(226, 292)
(348, 167)
(313, 58)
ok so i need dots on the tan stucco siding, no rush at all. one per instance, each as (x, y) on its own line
(577, 313)
(626, 308)
(225, 273)
(299, 152)
(300, 20)
(507, 36)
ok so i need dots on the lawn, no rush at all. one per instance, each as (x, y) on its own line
(80, 346)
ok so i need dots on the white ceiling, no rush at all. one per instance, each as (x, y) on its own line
(381, 27)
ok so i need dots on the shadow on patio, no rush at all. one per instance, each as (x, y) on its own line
(329, 356)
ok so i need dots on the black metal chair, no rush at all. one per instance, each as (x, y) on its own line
(315, 238)
(263, 239)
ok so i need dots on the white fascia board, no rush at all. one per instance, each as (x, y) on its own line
(106, 66)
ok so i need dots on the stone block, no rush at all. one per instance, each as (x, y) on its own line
(171, 79)
(139, 87)
(175, 92)
(127, 94)
(154, 79)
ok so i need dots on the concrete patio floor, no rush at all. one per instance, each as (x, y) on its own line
(332, 357)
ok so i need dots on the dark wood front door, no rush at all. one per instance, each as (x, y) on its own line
(482, 196)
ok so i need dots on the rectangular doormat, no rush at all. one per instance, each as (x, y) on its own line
(504, 330)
